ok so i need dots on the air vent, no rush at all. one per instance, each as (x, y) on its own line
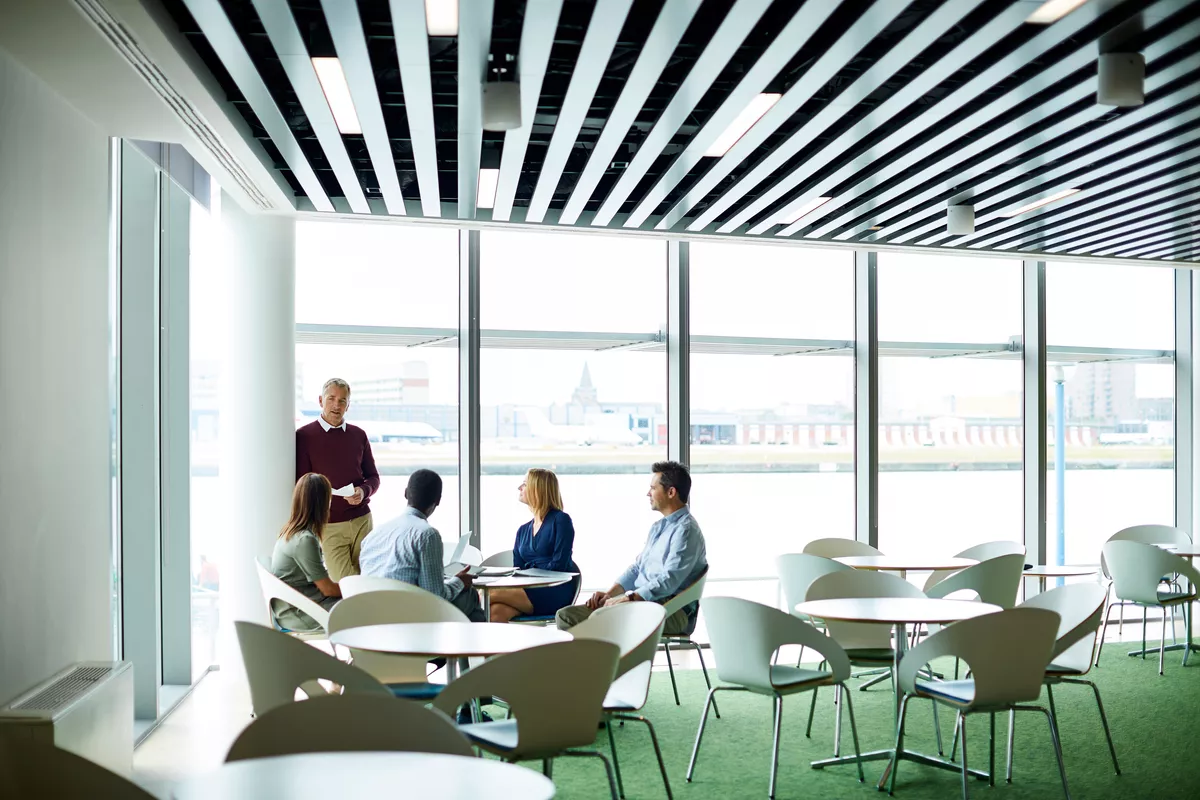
(65, 690)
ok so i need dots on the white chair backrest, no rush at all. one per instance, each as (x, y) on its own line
(555, 692)
(275, 589)
(1147, 534)
(33, 768)
(452, 554)
(994, 581)
(386, 608)
(502, 559)
(1137, 568)
(349, 723)
(634, 627)
(1080, 607)
(277, 665)
(860, 583)
(1007, 653)
(471, 556)
(688, 594)
(745, 636)
(361, 584)
(797, 571)
(839, 548)
(979, 552)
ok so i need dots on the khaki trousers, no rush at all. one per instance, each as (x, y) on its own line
(570, 616)
(341, 543)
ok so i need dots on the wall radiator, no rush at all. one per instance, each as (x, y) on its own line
(87, 709)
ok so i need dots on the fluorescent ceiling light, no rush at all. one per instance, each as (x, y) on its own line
(751, 114)
(1039, 203)
(337, 93)
(794, 216)
(489, 179)
(441, 17)
(1053, 11)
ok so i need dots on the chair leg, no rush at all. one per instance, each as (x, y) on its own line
(811, 710)
(608, 770)
(899, 748)
(853, 734)
(1104, 633)
(775, 745)
(612, 746)
(1012, 733)
(707, 682)
(1162, 642)
(1062, 770)
(837, 721)
(548, 767)
(801, 658)
(671, 671)
(1112, 751)
(700, 732)
(937, 730)
(962, 728)
(657, 752)
(1143, 633)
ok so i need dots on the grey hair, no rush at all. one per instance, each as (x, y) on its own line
(338, 382)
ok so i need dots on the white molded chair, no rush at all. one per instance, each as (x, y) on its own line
(839, 548)
(745, 636)
(349, 723)
(555, 696)
(1008, 653)
(502, 559)
(797, 571)
(686, 595)
(471, 555)
(275, 589)
(980, 552)
(996, 581)
(1147, 534)
(30, 768)
(1137, 571)
(352, 585)
(277, 665)
(636, 629)
(405, 676)
(1080, 607)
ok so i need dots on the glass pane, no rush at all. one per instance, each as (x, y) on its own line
(950, 427)
(1110, 305)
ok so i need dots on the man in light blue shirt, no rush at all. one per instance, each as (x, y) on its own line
(409, 549)
(672, 559)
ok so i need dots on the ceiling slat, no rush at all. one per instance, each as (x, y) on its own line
(738, 23)
(668, 29)
(1168, 233)
(474, 41)
(277, 20)
(225, 42)
(1182, 243)
(346, 30)
(412, 51)
(1130, 229)
(537, 38)
(603, 30)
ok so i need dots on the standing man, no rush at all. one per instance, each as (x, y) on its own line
(673, 558)
(342, 454)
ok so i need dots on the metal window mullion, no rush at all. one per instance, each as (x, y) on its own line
(468, 384)
(866, 396)
(1034, 411)
(1185, 409)
(114, 391)
(678, 345)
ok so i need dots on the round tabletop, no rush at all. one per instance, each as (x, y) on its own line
(895, 610)
(366, 775)
(907, 563)
(1053, 571)
(450, 639)
(522, 581)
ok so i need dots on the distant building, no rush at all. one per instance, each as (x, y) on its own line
(410, 387)
(1102, 392)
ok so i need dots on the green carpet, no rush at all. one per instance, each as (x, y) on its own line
(1154, 722)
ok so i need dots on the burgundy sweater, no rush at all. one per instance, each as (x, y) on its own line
(343, 457)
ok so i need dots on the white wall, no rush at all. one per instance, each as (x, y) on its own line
(55, 540)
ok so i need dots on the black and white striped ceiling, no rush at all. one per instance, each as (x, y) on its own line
(866, 119)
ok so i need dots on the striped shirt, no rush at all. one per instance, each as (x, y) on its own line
(408, 549)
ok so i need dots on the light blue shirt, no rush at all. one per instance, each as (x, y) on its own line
(673, 558)
(408, 549)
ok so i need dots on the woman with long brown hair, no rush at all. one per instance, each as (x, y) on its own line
(297, 557)
(545, 542)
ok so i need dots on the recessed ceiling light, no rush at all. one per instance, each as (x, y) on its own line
(751, 114)
(489, 179)
(795, 215)
(337, 94)
(1053, 11)
(1039, 203)
(441, 17)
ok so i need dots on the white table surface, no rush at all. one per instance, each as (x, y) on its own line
(906, 563)
(1066, 571)
(895, 610)
(522, 581)
(351, 776)
(450, 639)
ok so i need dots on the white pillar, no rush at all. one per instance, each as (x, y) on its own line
(258, 459)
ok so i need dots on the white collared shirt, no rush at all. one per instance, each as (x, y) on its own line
(329, 427)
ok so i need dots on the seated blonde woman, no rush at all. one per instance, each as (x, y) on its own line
(545, 542)
(297, 557)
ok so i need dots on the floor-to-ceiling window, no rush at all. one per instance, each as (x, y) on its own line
(573, 378)
(772, 403)
(1110, 332)
(949, 402)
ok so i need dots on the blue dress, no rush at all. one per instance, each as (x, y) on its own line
(549, 549)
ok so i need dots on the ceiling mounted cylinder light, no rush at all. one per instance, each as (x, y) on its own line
(960, 220)
(1122, 80)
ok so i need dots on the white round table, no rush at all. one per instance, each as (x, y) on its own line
(1043, 571)
(517, 581)
(907, 564)
(359, 776)
(897, 611)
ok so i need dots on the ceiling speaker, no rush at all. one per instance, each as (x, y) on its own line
(501, 105)
(960, 220)
(1122, 79)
